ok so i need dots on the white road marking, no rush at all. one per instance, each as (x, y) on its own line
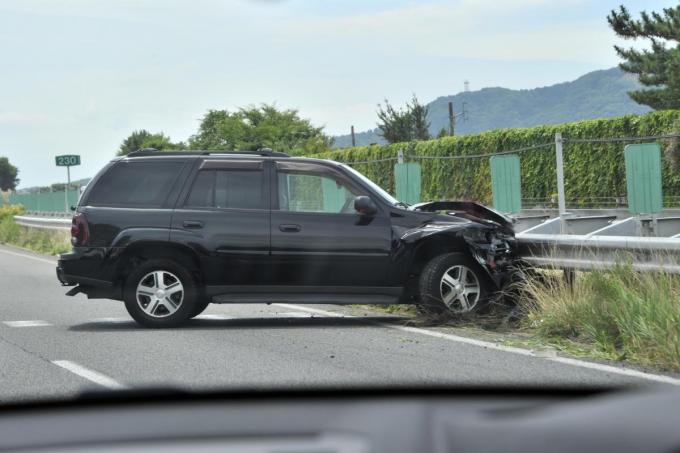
(294, 314)
(213, 317)
(30, 257)
(617, 370)
(111, 320)
(314, 310)
(31, 323)
(499, 347)
(90, 375)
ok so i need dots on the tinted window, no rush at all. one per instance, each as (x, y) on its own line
(241, 189)
(138, 184)
(201, 195)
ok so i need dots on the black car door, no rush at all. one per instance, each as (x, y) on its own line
(317, 238)
(223, 215)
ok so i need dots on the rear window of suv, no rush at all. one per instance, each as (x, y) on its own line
(227, 189)
(135, 184)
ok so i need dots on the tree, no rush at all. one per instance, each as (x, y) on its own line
(403, 125)
(657, 67)
(162, 142)
(8, 175)
(144, 139)
(254, 127)
(133, 142)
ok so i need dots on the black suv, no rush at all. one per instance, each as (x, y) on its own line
(170, 232)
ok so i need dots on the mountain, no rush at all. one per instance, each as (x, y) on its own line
(598, 94)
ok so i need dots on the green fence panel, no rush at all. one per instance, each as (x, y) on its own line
(334, 196)
(506, 184)
(45, 201)
(408, 179)
(643, 178)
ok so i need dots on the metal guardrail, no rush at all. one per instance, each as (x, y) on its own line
(48, 223)
(601, 241)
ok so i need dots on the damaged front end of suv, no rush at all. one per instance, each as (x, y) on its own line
(468, 230)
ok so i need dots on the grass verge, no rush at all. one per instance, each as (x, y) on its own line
(616, 314)
(51, 242)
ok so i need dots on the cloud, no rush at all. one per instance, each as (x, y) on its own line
(503, 30)
(19, 118)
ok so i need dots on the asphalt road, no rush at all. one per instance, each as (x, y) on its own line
(52, 345)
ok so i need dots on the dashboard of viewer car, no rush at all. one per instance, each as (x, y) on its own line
(344, 421)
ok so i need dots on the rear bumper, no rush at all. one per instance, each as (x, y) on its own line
(75, 269)
(71, 280)
(65, 280)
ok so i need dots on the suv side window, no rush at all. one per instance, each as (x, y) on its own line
(135, 184)
(314, 190)
(227, 189)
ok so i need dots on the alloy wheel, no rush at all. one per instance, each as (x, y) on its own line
(460, 289)
(160, 293)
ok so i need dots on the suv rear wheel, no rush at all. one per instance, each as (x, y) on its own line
(452, 283)
(160, 293)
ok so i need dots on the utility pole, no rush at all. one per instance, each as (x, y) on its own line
(452, 120)
(354, 143)
(452, 117)
(559, 165)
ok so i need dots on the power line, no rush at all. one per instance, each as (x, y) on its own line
(476, 156)
(619, 139)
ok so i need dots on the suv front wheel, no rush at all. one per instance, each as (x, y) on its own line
(160, 293)
(453, 283)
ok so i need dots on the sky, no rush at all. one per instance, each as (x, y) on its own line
(78, 76)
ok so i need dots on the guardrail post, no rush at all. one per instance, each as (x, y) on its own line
(560, 174)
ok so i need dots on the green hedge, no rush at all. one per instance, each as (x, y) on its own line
(591, 170)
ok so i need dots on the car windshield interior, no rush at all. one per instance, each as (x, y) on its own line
(339, 226)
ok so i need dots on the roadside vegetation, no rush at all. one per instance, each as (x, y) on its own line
(617, 314)
(41, 241)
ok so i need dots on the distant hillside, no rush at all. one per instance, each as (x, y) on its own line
(598, 94)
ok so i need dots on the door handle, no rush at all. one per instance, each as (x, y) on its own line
(192, 224)
(289, 228)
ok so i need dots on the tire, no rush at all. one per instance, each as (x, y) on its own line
(170, 307)
(200, 307)
(461, 299)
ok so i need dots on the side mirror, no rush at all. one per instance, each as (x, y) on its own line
(364, 205)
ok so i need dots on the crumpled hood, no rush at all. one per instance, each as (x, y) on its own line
(430, 228)
(468, 210)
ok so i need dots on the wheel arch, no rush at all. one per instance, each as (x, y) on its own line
(144, 250)
(433, 245)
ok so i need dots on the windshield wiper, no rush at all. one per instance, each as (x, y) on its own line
(402, 204)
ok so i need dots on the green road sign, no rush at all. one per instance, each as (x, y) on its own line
(67, 160)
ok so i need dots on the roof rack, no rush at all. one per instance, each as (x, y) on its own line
(265, 152)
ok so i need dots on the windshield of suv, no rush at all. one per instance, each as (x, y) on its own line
(298, 194)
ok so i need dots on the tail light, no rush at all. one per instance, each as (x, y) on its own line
(80, 230)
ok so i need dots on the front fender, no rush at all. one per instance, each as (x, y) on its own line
(426, 241)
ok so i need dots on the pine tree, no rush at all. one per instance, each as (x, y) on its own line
(657, 67)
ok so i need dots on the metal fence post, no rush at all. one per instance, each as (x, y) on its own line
(560, 174)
